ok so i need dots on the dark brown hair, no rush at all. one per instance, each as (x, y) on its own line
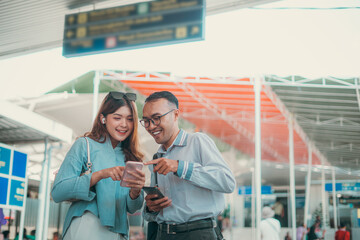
(130, 146)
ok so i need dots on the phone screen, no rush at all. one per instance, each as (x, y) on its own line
(130, 167)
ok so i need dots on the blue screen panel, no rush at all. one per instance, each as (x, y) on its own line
(247, 190)
(338, 187)
(4, 182)
(4, 160)
(17, 190)
(19, 164)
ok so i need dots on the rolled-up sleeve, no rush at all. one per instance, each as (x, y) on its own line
(211, 171)
(68, 182)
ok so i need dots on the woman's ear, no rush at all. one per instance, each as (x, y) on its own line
(102, 119)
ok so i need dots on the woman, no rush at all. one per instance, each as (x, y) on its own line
(315, 232)
(301, 232)
(100, 205)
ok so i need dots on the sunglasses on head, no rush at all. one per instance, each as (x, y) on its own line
(121, 95)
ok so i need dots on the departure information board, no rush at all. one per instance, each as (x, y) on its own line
(12, 177)
(247, 190)
(133, 26)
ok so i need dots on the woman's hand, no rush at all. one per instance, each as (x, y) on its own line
(136, 183)
(115, 173)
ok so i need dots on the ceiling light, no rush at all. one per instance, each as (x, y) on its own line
(279, 166)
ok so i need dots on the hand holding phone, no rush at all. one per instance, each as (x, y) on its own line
(153, 190)
(155, 200)
(128, 177)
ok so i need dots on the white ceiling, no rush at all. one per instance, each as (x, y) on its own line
(31, 25)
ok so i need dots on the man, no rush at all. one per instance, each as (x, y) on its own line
(190, 171)
(342, 234)
(279, 210)
(269, 226)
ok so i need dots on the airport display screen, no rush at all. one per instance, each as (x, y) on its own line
(12, 177)
(133, 26)
(349, 186)
(247, 190)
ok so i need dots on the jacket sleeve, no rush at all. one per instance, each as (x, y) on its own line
(134, 204)
(68, 183)
(210, 170)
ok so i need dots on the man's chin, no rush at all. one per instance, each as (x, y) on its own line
(157, 140)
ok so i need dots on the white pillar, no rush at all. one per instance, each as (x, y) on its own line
(292, 177)
(42, 190)
(308, 185)
(47, 197)
(253, 229)
(22, 218)
(240, 214)
(323, 195)
(96, 93)
(258, 155)
(334, 198)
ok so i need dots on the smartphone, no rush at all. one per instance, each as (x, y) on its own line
(130, 167)
(153, 190)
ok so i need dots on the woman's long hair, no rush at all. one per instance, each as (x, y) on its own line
(130, 146)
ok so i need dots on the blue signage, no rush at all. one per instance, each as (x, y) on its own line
(328, 187)
(4, 182)
(5, 155)
(300, 202)
(133, 26)
(350, 186)
(17, 191)
(19, 164)
(246, 190)
(12, 177)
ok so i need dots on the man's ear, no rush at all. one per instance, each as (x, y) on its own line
(177, 114)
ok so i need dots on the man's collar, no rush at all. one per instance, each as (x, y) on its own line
(180, 141)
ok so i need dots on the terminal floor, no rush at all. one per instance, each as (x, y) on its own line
(237, 233)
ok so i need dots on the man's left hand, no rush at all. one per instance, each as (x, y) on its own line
(164, 165)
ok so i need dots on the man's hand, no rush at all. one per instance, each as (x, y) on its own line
(164, 165)
(157, 205)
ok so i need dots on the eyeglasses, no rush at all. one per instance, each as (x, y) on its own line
(121, 95)
(155, 120)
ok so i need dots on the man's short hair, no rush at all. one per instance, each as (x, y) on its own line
(163, 94)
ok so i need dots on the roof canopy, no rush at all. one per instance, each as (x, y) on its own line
(21, 125)
(325, 112)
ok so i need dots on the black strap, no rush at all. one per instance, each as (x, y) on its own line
(156, 180)
(219, 233)
(153, 226)
(156, 156)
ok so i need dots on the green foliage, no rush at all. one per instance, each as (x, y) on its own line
(318, 212)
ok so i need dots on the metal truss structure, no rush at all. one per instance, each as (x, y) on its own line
(325, 110)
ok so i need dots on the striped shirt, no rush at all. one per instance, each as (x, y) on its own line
(197, 189)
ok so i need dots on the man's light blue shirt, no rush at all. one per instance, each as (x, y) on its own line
(197, 189)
